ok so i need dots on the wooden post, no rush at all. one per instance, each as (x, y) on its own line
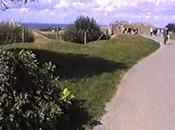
(15, 37)
(57, 34)
(14, 33)
(112, 30)
(85, 37)
(107, 34)
(23, 38)
(100, 37)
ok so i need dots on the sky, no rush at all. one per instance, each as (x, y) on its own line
(156, 12)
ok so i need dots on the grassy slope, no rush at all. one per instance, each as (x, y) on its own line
(92, 71)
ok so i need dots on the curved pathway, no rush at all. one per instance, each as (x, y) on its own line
(146, 97)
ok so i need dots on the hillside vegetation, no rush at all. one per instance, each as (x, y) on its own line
(92, 71)
(11, 33)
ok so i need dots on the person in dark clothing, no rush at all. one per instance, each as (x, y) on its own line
(166, 35)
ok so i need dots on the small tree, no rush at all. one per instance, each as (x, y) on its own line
(82, 25)
(171, 27)
(30, 95)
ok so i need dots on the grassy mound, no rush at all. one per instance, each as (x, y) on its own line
(93, 71)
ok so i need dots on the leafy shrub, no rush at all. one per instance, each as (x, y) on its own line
(13, 33)
(171, 27)
(30, 95)
(75, 32)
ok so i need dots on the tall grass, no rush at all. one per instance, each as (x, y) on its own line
(12, 33)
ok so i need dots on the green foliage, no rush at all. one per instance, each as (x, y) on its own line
(30, 95)
(171, 27)
(75, 33)
(92, 72)
(13, 33)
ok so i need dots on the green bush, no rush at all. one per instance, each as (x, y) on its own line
(171, 27)
(75, 32)
(30, 95)
(13, 33)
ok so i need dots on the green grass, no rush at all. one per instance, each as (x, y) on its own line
(93, 71)
(52, 35)
(172, 36)
(49, 35)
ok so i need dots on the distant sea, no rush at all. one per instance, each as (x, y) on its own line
(43, 25)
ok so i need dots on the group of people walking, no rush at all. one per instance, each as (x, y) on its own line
(164, 32)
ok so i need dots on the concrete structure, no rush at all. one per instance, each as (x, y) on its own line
(120, 27)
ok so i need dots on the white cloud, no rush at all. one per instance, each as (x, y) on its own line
(79, 5)
(108, 10)
(62, 4)
(44, 12)
(25, 11)
(103, 2)
(46, 1)
(47, 12)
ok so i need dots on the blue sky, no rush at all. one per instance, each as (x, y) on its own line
(157, 12)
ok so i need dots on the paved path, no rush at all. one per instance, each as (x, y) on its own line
(146, 97)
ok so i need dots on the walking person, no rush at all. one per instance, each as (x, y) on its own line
(151, 31)
(166, 35)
